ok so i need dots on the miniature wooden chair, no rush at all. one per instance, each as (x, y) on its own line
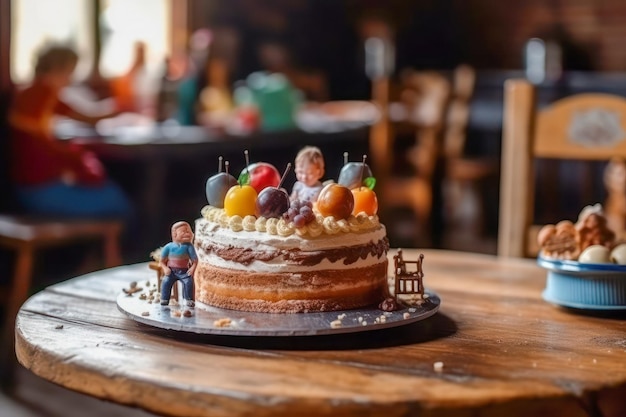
(408, 282)
(588, 127)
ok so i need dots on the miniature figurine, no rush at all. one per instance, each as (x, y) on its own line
(309, 170)
(178, 262)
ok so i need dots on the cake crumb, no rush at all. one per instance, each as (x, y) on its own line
(389, 304)
(58, 326)
(142, 296)
(341, 316)
(176, 313)
(145, 313)
(364, 323)
(360, 319)
(412, 310)
(223, 322)
(438, 366)
(335, 324)
(187, 313)
(406, 315)
(133, 288)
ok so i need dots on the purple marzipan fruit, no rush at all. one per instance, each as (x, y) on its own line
(272, 202)
(349, 175)
(216, 188)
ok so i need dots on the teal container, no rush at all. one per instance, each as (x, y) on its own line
(274, 97)
(584, 286)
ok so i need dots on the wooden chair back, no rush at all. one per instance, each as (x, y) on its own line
(589, 127)
(457, 117)
(424, 97)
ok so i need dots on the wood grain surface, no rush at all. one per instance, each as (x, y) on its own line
(504, 352)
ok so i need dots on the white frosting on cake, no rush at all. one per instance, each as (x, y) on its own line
(280, 227)
(262, 235)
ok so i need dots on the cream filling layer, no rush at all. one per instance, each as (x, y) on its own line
(212, 232)
(293, 286)
(277, 265)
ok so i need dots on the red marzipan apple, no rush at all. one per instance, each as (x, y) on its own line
(263, 175)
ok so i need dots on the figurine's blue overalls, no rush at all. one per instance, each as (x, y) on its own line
(179, 256)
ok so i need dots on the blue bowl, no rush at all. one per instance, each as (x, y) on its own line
(584, 286)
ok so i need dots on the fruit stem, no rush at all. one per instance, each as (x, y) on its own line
(284, 175)
(362, 171)
(247, 156)
(219, 164)
(345, 158)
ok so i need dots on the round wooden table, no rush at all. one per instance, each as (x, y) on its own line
(501, 350)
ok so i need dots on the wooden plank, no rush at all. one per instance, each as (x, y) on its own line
(504, 352)
(553, 135)
(516, 191)
(94, 286)
(135, 369)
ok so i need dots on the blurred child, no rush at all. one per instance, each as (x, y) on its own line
(50, 176)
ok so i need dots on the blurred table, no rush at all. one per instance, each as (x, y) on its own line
(503, 352)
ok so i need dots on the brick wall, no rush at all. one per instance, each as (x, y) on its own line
(490, 34)
(593, 31)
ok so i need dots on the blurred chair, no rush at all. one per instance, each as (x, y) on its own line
(587, 127)
(464, 176)
(26, 235)
(615, 203)
(424, 96)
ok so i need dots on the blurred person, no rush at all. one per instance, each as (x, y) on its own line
(124, 89)
(50, 176)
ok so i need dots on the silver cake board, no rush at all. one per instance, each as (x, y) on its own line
(206, 319)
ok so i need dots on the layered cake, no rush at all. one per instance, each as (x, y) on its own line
(268, 265)
(266, 252)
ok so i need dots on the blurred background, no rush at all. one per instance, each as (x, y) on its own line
(415, 85)
(189, 62)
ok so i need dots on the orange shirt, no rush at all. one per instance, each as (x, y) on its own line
(36, 155)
